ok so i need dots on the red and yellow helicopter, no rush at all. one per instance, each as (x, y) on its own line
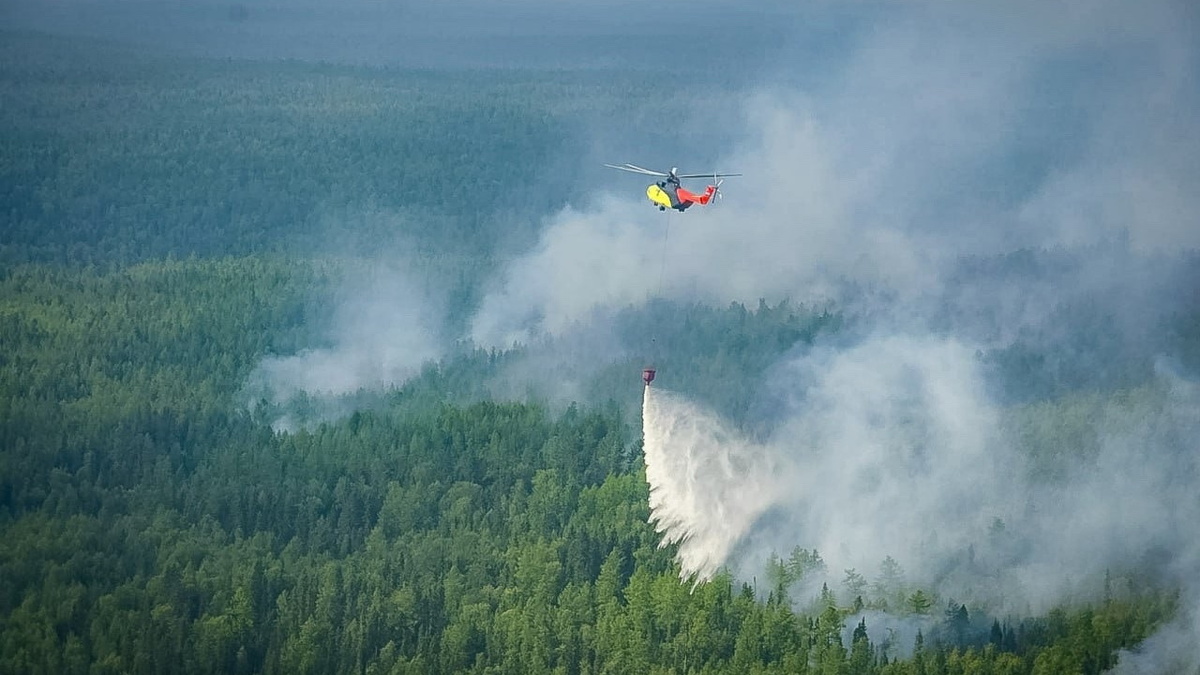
(669, 194)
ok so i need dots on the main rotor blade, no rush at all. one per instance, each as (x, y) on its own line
(633, 168)
(706, 175)
(636, 169)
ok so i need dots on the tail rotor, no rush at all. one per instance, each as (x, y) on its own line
(716, 195)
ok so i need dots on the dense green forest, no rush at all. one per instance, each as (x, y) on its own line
(151, 525)
(164, 225)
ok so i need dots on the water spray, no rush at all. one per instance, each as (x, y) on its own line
(707, 484)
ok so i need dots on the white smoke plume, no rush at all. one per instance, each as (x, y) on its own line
(933, 132)
(1171, 650)
(384, 327)
(584, 261)
(892, 448)
(898, 450)
(937, 132)
(886, 439)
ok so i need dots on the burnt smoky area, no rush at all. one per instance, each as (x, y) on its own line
(1052, 322)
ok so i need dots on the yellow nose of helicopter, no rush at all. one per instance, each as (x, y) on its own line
(659, 196)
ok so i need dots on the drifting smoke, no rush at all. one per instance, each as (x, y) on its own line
(892, 448)
(585, 261)
(887, 438)
(902, 440)
(1170, 650)
(895, 453)
(383, 331)
(938, 132)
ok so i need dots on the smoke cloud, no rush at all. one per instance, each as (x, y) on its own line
(933, 133)
(583, 262)
(1170, 650)
(892, 449)
(889, 448)
(940, 142)
(384, 327)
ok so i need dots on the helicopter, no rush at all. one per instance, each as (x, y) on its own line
(669, 194)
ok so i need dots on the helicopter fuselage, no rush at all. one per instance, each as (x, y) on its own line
(669, 195)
